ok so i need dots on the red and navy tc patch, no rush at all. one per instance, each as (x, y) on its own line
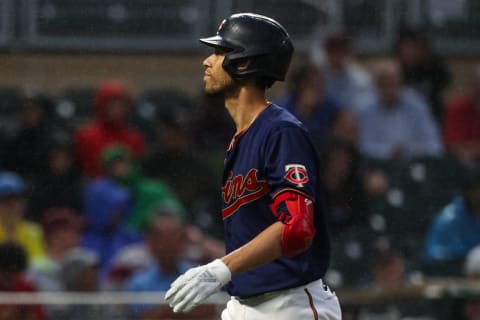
(296, 174)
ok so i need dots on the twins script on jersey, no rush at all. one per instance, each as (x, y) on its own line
(274, 155)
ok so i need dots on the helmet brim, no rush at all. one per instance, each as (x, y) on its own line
(217, 42)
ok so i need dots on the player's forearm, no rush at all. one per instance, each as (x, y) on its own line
(262, 249)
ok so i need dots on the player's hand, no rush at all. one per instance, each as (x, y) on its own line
(196, 285)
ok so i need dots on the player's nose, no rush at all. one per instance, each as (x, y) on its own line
(208, 61)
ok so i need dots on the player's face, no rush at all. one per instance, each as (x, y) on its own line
(216, 78)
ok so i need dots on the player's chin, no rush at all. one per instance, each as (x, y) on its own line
(209, 89)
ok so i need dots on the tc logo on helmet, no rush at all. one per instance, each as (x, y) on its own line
(296, 174)
(220, 27)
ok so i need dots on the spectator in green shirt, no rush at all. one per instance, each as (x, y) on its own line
(147, 194)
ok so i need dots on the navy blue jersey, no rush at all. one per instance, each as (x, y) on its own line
(274, 155)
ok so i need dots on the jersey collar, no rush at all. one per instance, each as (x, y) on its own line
(238, 135)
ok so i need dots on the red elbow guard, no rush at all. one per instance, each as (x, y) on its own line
(297, 213)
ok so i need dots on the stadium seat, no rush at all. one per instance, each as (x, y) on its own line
(393, 169)
(10, 102)
(75, 106)
(432, 183)
(446, 268)
(418, 190)
(351, 256)
(156, 104)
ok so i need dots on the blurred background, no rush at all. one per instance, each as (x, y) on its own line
(111, 156)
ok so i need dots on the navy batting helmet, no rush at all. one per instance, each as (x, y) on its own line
(258, 40)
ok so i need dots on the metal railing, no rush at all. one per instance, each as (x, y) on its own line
(114, 25)
(6, 15)
(431, 289)
(101, 298)
(431, 299)
(173, 25)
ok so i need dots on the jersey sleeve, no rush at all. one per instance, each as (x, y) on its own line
(290, 162)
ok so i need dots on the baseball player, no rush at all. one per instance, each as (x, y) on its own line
(276, 240)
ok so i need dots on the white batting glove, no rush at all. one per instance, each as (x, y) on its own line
(196, 285)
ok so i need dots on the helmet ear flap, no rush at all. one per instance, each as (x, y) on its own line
(247, 69)
(242, 64)
(244, 68)
(229, 66)
(239, 68)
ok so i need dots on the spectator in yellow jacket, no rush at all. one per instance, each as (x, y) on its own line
(13, 226)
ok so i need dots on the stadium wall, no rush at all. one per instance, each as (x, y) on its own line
(55, 72)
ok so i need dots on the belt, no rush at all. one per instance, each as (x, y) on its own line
(261, 298)
(264, 297)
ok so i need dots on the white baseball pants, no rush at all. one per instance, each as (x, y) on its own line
(312, 301)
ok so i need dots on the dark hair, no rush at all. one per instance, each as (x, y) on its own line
(12, 258)
(61, 140)
(336, 41)
(410, 34)
(43, 101)
(471, 180)
(263, 83)
(333, 145)
(383, 258)
(300, 75)
(61, 218)
(258, 82)
(161, 212)
(384, 252)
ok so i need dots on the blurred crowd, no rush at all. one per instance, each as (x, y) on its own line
(126, 195)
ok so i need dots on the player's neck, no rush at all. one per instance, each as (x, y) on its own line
(244, 105)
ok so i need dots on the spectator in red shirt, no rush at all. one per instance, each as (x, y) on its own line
(13, 262)
(113, 105)
(462, 124)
